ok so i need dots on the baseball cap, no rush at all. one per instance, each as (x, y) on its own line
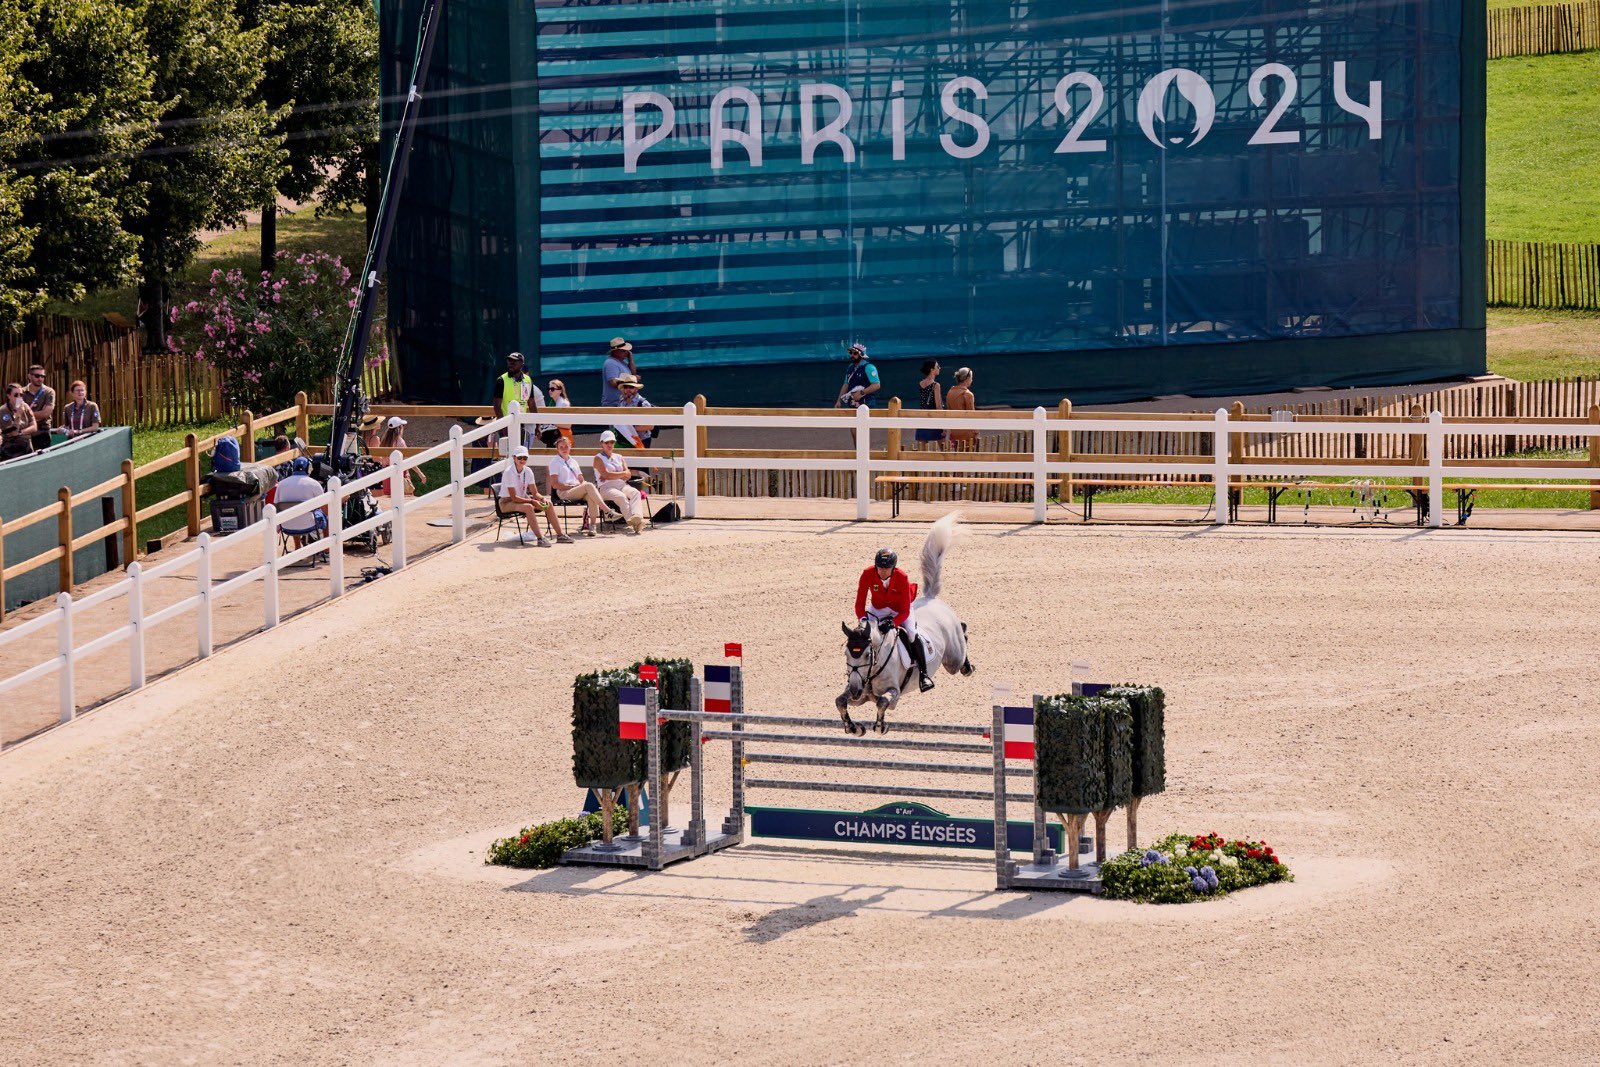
(608, 436)
(520, 452)
(301, 465)
(514, 357)
(395, 422)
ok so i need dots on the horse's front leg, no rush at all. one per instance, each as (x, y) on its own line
(842, 702)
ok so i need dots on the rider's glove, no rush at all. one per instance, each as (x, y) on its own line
(885, 625)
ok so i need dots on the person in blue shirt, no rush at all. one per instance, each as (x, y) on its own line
(861, 382)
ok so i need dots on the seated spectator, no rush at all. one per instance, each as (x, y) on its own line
(567, 483)
(637, 436)
(42, 399)
(82, 415)
(559, 399)
(394, 437)
(16, 424)
(225, 455)
(519, 491)
(612, 475)
(297, 488)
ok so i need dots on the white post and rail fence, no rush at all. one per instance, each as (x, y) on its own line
(1047, 473)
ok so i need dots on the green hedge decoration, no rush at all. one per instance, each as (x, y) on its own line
(601, 759)
(1148, 704)
(1118, 759)
(1069, 753)
(672, 682)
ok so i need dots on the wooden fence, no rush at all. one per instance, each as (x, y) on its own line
(1541, 29)
(1543, 274)
(132, 388)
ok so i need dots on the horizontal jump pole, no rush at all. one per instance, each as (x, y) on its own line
(883, 790)
(798, 760)
(796, 720)
(842, 739)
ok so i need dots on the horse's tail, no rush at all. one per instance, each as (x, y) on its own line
(939, 538)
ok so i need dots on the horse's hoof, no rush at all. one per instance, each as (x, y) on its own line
(966, 667)
(857, 729)
(880, 727)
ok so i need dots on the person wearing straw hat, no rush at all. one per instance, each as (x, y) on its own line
(617, 364)
(611, 474)
(370, 428)
(637, 436)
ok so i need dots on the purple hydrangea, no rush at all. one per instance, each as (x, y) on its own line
(1191, 872)
(1210, 877)
(1151, 856)
(1199, 884)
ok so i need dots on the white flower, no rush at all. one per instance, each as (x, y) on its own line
(1228, 861)
(1180, 851)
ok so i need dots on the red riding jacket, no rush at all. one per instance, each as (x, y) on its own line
(895, 593)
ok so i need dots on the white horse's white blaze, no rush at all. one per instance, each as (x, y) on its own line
(880, 668)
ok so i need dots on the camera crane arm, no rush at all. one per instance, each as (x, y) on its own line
(348, 402)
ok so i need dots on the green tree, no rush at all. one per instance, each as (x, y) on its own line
(16, 237)
(322, 82)
(91, 98)
(217, 154)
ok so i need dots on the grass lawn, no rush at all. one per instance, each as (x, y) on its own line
(342, 235)
(1532, 344)
(1543, 144)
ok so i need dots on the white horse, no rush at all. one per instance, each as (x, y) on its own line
(880, 668)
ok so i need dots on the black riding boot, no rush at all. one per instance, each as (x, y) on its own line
(919, 656)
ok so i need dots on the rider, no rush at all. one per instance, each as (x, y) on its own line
(890, 591)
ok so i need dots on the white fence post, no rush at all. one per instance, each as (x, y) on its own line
(335, 539)
(458, 494)
(514, 431)
(691, 460)
(863, 461)
(136, 675)
(269, 557)
(1219, 470)
(203, 581)
(1040, 491)
(397, 508)
(69, 696)
(1436, 468)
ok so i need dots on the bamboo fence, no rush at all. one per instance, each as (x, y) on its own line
(1543, 274)
(1542, 29)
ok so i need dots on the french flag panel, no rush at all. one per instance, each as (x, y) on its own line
(1018, 736)
(718, 693)
(630, 713)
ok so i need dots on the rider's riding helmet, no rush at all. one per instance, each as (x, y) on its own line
(885, 558)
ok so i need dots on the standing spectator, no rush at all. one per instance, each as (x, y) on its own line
(371, 430)
(82, 415)
(962, 399)
(635, 435)
(519, 491)
(932, 400)
(567, 483)
(618, 363)
(394, 437)
(860, 382)
(16, 424)
(559, 399)
(611, 473)
(516, 386)
(42, 399)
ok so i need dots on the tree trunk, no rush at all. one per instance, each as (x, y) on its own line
(269, 232)
(153, 300)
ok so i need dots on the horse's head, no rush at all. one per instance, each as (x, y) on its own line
(864, 651)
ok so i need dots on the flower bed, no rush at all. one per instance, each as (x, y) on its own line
(541, 846)
(1182, 868)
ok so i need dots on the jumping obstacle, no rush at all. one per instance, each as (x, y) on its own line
(1011, 778)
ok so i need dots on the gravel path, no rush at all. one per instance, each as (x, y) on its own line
(275, 855)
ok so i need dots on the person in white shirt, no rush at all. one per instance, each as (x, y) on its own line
(567, 483)
(519, 491)
(611, 473)
(297, 489)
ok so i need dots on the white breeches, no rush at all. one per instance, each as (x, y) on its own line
(624, 497)
(888, 613)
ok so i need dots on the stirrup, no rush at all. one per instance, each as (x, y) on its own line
(924, 682)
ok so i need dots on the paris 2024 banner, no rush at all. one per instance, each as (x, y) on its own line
(759, 180)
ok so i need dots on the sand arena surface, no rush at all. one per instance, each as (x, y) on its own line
(275, 856)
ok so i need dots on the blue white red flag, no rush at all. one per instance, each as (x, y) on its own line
(1018, 736)
(718, 693)
(630, 713)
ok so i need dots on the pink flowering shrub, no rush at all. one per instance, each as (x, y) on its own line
(271, 336)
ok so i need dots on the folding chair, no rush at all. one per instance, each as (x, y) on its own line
(502, 516)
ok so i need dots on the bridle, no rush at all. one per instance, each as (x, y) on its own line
(871, 666)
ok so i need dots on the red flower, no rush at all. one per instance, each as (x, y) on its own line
(1272, 860)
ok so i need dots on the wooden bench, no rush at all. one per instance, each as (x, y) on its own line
(1466, 491)
(903, 482)
(1418, 494)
